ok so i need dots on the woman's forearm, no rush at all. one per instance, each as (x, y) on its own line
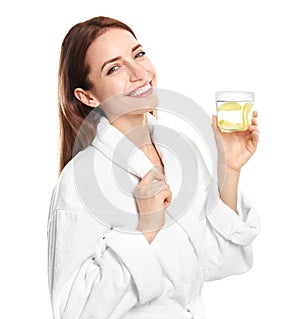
(228, 187)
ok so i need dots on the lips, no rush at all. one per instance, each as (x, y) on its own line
(142, 91)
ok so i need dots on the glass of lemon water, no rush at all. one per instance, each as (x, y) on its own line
(234, 110)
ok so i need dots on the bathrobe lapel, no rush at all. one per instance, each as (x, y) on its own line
(123, 153)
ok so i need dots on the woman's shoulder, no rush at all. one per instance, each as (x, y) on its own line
(80, 170)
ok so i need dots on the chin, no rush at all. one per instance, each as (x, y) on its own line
(121, 105)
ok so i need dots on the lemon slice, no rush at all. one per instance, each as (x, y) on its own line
(226, 125)
(230, 106)
(246, 110)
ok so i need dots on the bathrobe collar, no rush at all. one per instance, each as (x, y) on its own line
(118, 148)
(133, 159)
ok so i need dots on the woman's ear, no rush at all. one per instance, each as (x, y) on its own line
(85, 97)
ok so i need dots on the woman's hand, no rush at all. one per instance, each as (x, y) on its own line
(152, 196)
(238, 146)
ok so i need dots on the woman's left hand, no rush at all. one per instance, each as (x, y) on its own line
(238, 146)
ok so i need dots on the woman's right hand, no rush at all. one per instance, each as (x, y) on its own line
(152, 196)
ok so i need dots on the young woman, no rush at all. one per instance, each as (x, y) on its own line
(111, 252)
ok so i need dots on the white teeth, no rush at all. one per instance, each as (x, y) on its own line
(141, 90)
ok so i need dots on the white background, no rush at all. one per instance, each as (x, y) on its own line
(198, 47)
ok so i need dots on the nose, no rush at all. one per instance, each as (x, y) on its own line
(137, 72)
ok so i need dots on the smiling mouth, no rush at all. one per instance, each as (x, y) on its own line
(142, 91)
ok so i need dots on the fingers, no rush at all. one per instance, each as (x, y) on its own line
(254, 120)
(254, 134)
(151, 176)
(255, 137)
(166, 198)
(253, 129)
(215, 123)
(152, 184)
(149, 190)
(216, 130)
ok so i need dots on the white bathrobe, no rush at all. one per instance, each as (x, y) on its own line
(97, 272)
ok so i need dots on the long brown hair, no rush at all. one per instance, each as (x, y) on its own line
(73, 73)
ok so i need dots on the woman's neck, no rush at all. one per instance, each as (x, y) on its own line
(135, 127)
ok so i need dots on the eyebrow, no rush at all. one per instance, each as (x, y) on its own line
(119, 57)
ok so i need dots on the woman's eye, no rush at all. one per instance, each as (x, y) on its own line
(113, 69)
(140, 54)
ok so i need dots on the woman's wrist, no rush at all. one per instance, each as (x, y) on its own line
(149, 235)
(151, 224)
(151, 221)
(233, 172)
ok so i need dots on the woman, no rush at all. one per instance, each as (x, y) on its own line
(101, 266)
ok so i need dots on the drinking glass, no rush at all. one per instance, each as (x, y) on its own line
(234, 110)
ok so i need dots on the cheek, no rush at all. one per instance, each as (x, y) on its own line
(154, 79)
(151, 69)
(150, 66)
(109, 89)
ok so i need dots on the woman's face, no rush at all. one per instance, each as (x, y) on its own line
(120, 72)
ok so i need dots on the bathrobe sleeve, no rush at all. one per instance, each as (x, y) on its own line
(94, 274)
(228, 237)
